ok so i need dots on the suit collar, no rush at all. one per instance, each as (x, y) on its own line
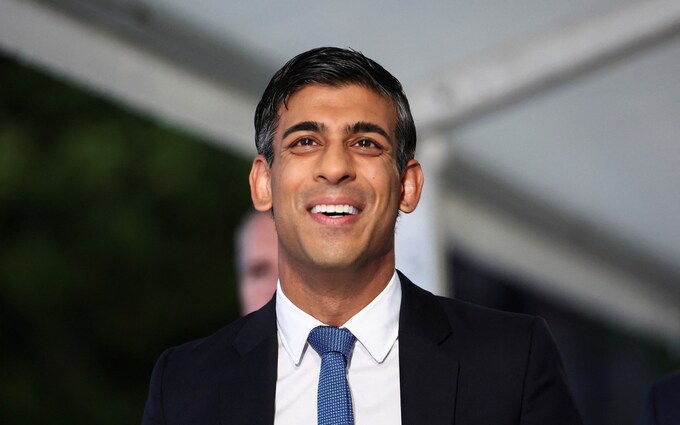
(375, 326)
(248, 386)
(258, 326)
(428, 373)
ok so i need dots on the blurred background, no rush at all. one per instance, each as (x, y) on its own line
(548, 130)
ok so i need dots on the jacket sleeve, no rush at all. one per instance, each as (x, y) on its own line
(546, 396)
(153, 410)
(662, 404)
(648, 416)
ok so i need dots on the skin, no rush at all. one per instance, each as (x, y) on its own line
(258, 262)
(335, 146)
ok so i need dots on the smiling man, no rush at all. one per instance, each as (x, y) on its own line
(347, 338)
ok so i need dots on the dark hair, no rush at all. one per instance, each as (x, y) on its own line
(335, 67)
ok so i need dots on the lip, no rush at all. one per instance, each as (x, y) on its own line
(335, 200)
(337, 208)
(337, 220)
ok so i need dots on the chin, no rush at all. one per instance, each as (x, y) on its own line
(334, 263)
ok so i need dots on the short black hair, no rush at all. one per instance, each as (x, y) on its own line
(336, 67)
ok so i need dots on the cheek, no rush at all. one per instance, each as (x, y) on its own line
(385, 186)
(285, 183)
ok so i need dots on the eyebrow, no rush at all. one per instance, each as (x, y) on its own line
(367, 127)
(317, 127)
(314, 126)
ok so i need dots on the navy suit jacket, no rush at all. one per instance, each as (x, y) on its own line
(458, 364)
(662, 406)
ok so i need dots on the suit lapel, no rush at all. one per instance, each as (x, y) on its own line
(248, 387)
(428, 373)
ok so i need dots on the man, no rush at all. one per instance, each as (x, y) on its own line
(662, 405)
(348, 339)
(257, 261)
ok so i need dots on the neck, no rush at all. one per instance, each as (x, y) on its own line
(334, 296)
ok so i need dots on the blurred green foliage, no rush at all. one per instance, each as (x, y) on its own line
(115, 242)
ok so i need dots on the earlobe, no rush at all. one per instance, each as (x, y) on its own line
(412, 180)
(260, 184)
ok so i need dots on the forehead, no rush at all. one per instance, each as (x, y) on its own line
(342, 103)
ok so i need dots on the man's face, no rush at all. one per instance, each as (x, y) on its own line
(258, 263)
(334, 185)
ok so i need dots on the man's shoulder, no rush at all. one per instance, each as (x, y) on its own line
(667, 390)
(200, 350)
(468, 328)
(669, 384)
(509, 355)
(661, 403)
(471, 314)
(464, 314)
(228, 343)
(187, 381)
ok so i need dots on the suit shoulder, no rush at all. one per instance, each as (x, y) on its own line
(665, 394)
(225, 345)
(669, 385)
(487, 328)
(468, 312)
(509, 355)
(191, 374)
(464, 319)
(203, 349)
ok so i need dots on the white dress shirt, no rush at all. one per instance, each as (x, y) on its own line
(373, 372)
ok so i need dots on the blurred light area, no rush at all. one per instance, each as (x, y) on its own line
(587, 147)
(602, 154)
(413, 40)
(151, 83)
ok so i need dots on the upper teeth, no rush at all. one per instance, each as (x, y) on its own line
(346, 209)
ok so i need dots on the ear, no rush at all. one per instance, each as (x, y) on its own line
(260, 184)
(412, 180)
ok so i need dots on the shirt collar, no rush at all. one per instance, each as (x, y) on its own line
(376, 326)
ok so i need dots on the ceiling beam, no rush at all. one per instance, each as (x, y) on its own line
(170, 35)
(89, 53)
(516, 71)
(559, 254)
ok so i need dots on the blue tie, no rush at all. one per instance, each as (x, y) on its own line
(334, 401)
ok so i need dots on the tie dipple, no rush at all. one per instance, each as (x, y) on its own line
(334, 400)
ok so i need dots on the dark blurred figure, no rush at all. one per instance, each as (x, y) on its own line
(662, 405)
(257, 258)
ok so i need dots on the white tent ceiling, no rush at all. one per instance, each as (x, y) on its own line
(554, 124)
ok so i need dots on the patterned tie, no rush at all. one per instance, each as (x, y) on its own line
(334, 401)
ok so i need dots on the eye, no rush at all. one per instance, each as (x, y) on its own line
(366, 143)
(304, 142)
(368, 146)
(303, 145)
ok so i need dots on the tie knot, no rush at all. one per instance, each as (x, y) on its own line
(325, 339)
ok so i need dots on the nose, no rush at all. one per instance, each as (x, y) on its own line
(335, 164)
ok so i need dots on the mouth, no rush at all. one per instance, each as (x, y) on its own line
(340, 210)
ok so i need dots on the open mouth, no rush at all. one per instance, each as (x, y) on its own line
(335, 210)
